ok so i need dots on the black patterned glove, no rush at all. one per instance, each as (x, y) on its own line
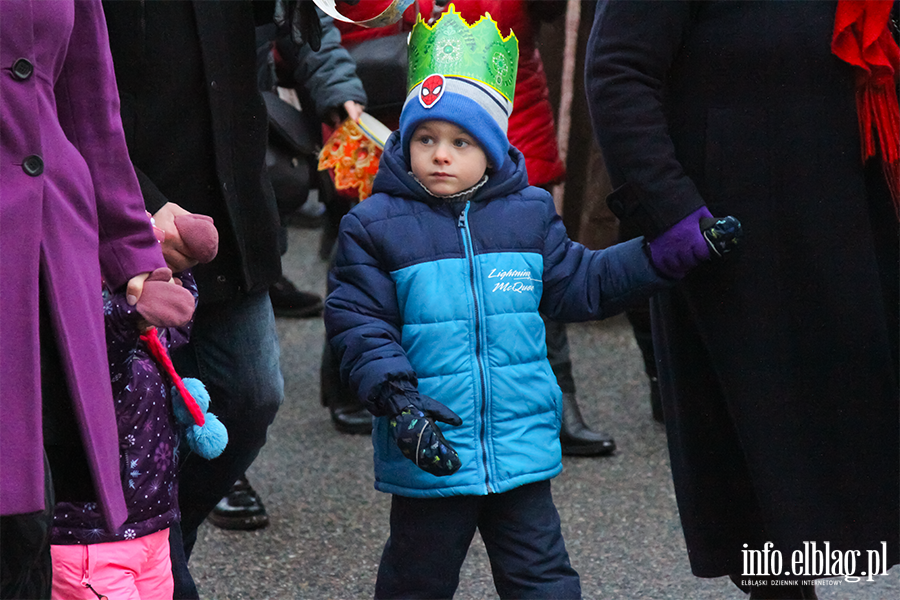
(421, 441)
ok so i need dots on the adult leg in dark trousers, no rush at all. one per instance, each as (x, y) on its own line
(576, 437)
(430, 538)
(348, 415)
(643, 335)
(290, 176)
(25, 566)
(25, 562)
(234, 352)
(639, 318)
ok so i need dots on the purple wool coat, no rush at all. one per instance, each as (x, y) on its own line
(148, 433)
(70, 209)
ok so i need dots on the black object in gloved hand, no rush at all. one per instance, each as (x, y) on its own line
(299, 17)
(722, 235)
(421, 441)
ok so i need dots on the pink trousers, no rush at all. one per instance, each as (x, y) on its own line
(138, 569)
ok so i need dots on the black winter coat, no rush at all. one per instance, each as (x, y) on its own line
(779, 370)
(195, 124)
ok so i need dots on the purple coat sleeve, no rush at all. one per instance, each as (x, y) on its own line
(88, 105)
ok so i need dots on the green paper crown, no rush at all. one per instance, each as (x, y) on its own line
(453, 47)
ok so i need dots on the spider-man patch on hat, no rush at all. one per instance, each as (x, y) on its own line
(431, 91)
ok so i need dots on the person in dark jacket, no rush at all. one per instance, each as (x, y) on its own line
(326, 80)
(195, 124)
(437, 290)
(779, 375)
(348, 415)
(328, 91)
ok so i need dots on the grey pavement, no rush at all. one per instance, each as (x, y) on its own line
(328, 524)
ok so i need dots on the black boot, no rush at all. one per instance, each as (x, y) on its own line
(575, 436)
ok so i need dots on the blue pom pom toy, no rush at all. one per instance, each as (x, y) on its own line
(207, 435)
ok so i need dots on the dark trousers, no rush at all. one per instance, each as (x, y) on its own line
(557, 338)
(430, 538)
(25, 563)
(25, 567)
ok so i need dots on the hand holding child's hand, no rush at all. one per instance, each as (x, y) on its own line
(695, 239)
(421, 441)
(174, 250)
(681, 247)
(162, 302)
(135, 288)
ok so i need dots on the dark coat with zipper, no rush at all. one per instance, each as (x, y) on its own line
(195, 124)
(779, 373)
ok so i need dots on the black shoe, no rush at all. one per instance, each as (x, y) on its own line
(575, 436)
(241, 509)
(352, 420)
(288, 301)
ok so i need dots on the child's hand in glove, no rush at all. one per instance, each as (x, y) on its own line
(420, 439)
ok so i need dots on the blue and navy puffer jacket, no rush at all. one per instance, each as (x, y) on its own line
(446, 296)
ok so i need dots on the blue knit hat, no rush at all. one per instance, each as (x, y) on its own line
(469, 104)
(464, 74)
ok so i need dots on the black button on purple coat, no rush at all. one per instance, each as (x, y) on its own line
(33, 165)
(22, 69)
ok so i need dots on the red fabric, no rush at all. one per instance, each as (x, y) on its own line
(364, 10)
(353, 34)
(862, 38)
(151, 338)
(532, 128)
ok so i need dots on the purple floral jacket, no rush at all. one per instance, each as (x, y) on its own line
(148, 434)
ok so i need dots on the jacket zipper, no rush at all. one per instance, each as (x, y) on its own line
(470, 255)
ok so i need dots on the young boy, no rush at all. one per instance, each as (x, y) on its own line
(437, 286)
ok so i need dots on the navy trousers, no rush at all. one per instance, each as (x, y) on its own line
(430, 538)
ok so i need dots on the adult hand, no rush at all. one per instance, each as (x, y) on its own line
(681, 247)
(174, 250)
(354, 109)
(135, 288)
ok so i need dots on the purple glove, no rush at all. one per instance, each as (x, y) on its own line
(681, 247)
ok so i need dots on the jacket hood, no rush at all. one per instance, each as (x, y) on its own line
(394, 176)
